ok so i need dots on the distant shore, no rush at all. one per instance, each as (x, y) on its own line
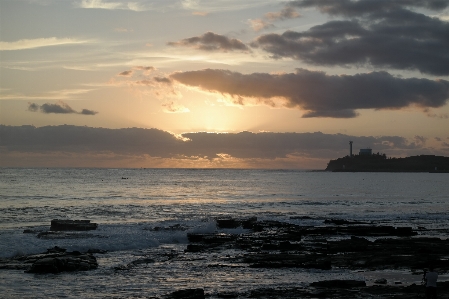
(380, 163)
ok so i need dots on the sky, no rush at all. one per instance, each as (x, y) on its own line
(223, 83)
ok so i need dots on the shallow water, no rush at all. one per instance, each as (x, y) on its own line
(128, 203)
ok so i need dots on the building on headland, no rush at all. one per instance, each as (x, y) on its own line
(366, 161)
(365, 152)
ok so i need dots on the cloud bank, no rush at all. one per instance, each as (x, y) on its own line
(382, 34)
(245, 149)
(322, 95)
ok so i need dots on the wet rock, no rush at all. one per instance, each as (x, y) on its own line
(307, 261)
(54, 260)
(228, 223)
(56, 249)
(72, 225)
(275, 244)
(343, 222)
(380, 281)
(234, 223)
(343, 284)
(228, 295)
(211, 238)
(62, 261)
(187, 294)
(351, 245)
(95, 250)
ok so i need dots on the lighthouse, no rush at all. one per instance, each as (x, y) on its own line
(350, 148)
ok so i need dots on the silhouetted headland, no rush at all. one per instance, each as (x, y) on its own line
(380, 163)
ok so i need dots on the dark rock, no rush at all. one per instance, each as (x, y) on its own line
(307, 261)
(351, 245)
(228, 295)
(344, 284)
(248, 223)
(228, 223)
(187, 294)
(30, 231)
(62, 261)
(94, 250)
(211, 238)
(380, 281)
(72, 225)
(56, 249)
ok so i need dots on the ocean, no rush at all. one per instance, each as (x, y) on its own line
(148, 213)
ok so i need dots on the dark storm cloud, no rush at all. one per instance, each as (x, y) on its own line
(384, 35)
(157, 143)
(360, 7)
(321, 94)
(58, 108)
(212, 42)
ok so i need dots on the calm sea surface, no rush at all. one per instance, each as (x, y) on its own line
(128, 203)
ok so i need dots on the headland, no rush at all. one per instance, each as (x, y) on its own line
(381, 163)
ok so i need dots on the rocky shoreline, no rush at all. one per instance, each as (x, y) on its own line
(337, 244)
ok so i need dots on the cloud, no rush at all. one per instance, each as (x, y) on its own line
(380, 37)
(321, 95)
(162, 80)
(101, 4)
(88, 112)
(212, 42)
(51, 95)
(58, 108)
(33, 107)
(38, 42)
(126, 73)
(259, 24)
(145, 69)
(288, 12)
(351, 8)
(245, 149)
(173, 107)
(200, 13)
(123, 30)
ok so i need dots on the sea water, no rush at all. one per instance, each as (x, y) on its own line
(137, 209)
